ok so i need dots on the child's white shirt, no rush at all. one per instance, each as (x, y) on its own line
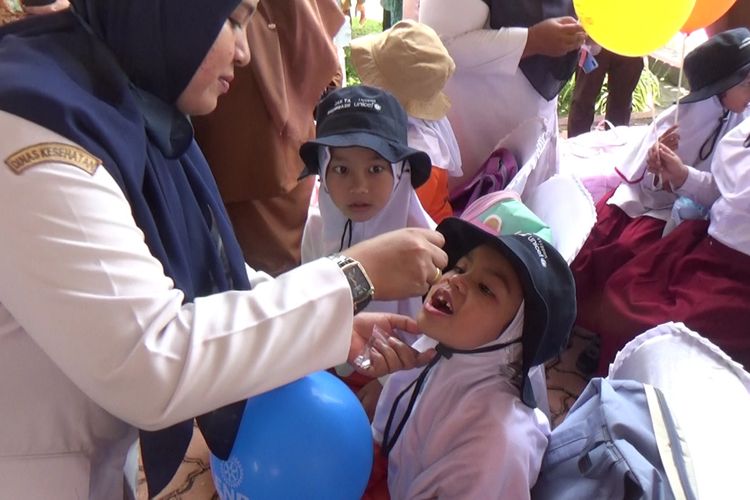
(696, 123)
(436, 138)
(469, 434)
(730, 215)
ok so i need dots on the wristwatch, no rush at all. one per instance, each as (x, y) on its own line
(359, 282)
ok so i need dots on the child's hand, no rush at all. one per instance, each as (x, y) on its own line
(368, 396)
(671, 137)
(389, 354)
(665, 162)
(653, 161)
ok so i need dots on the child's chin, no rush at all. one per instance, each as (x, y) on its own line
(360, 216)
(433, 326)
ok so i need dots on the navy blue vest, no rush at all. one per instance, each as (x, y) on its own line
(546, 74)
(107, 78)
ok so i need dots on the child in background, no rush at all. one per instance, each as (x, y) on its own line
(466, 426)
(367, 177)
(411, 62)
(699, 274)
(656, 172)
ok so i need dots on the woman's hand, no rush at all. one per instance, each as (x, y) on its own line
(554, 37)
(402, 263)
(55, 6)
(388, 354)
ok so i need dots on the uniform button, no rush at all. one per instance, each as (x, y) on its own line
(271, 26)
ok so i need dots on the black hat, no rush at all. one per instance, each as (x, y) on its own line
(367, 117)
(548, 288)
(718, 64)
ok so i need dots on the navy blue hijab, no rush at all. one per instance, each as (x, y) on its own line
(546, 74)
(107, 76)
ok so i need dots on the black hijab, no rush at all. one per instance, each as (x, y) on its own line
(546, 74)
(106, 75)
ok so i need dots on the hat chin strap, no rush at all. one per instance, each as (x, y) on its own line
(443, 351)
(710, 142)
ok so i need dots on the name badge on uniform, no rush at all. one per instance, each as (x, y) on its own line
(52, 152)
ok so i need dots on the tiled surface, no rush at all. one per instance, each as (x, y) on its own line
(565, 381)
(193, 479)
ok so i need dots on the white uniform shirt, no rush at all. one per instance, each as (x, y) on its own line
(436, 138)
(95, 340)
(490, 96)
(730, 215)
(696, 123)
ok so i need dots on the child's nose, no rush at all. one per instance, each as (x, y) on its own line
(457, 282)
(359, 184)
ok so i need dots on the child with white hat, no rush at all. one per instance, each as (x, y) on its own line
(410, 62)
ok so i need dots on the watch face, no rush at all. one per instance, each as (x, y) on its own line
(360, 286)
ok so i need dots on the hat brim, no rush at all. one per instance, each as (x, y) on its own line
(363, 60)
(420, 162)
(541, 341)
(719, 87)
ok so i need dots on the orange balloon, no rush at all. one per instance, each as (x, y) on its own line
(704, 13)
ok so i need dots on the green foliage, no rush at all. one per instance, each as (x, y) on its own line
(645, 95)
(565, 97)
(370, 26)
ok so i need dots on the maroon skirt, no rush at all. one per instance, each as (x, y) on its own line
(687, 276)
(614, 240)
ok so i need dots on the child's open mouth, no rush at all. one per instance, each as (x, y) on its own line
(440, 301)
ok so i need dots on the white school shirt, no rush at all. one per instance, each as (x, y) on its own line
(469, 434)
(436, 138)
(730, 215)
(95, 340)
(696, 123)
(490, 96)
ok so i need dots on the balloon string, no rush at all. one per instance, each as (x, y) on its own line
(679, 79)
(652, 103)
(652, 97)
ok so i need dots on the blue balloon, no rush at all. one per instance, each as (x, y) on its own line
(308, 439)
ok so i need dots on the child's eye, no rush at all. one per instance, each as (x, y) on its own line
(235, 23)
(340, 169)
(377, 169)
(486, 290)
(458, 270)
